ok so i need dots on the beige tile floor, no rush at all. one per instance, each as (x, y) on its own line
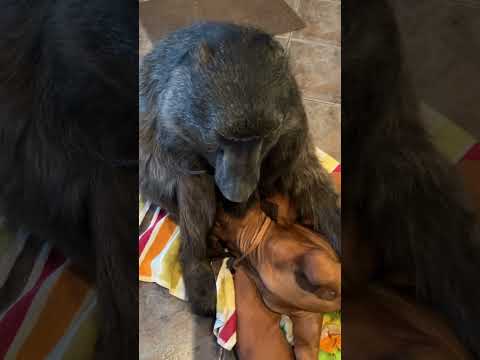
(167, 330)
(316, 62)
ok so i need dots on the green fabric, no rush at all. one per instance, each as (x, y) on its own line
(330, 356)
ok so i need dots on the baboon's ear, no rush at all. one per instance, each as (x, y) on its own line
(204, 54)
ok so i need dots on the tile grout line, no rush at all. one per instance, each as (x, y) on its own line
(297, 7)
(289, 40)
(296, 10)
(316, 42)
(320, 101)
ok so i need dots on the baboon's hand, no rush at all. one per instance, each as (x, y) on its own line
(196, 203)
(201, 288)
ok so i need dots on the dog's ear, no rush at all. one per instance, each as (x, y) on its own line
(270, 209)
(280, 209)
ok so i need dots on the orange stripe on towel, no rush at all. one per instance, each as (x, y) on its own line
(65, 298)
(158, 243)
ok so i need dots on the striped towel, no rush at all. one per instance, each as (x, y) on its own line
(54, 317)
(159, 247)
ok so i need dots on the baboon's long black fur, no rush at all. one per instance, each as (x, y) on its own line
(216, 78)
(403, 197)
(68, 129)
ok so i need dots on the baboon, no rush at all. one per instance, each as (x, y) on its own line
(403, 199)
(68, 144)
(224, 121)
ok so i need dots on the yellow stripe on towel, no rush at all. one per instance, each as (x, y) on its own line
(449, 138)
(328, 162)
(161, 234)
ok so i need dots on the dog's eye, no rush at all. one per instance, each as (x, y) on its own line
(270, 209)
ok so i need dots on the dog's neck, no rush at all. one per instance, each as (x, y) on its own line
(246, 242)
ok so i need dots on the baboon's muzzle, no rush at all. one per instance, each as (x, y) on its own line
(237, 171)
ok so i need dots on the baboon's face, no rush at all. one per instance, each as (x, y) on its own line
(237, 164)
(248, 122)
(240, 92)
(244, 124)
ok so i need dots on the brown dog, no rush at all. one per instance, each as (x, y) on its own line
(295, 271)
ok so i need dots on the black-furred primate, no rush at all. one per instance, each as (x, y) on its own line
(403, 199)
(68, 143)
(224, 118)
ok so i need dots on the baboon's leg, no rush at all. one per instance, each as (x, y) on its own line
(196, 215)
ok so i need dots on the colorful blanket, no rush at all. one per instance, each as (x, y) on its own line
(55, 315)
(159, 248)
